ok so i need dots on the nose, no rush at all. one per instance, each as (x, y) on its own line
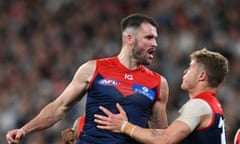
(154, 43)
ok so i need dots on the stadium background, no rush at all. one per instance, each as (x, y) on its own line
(42, 43)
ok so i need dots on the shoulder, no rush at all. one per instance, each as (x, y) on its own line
(197, 103)
(94, 62)
(149, 71)
(192, 111)
(88, 69)
(85, 71)
(88, 66)
(163, 89)
(196, 107)
(106, 63)
(164, 81)
(106, 60)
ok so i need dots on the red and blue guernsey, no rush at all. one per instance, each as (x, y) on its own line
(135, 90)
(215, 132)
(237, 137)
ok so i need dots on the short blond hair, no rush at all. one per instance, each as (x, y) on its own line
(214, 63)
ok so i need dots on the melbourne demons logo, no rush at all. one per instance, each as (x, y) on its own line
(108, 82)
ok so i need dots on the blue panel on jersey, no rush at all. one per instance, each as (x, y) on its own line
(144, 90)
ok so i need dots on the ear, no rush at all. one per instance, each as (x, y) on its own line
(130, 38)
(203, 76)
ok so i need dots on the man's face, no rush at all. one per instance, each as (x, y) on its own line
(191, 76)
(145, 44)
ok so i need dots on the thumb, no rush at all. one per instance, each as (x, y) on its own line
(19, 134)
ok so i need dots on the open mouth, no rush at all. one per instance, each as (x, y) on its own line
(151, 52)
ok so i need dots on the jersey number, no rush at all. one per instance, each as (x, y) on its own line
(221, 126)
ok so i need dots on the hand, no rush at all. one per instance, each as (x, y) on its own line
(112, 122)
(68, 136)
(15, 136)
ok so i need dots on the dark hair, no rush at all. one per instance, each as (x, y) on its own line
(214, 63)
(135, 20)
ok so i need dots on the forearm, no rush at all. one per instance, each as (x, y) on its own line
(160, 123)
(158, 118)
(144, 135)
(48, 116)
(163, 122)
(175, 133)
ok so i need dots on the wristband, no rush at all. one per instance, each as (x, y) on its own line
(123, 126)
(132, 131)
(128, 129)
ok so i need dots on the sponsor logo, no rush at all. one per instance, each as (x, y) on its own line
(144, 90)
(128, 76)
(108, 82)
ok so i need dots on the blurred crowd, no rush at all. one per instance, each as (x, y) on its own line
(43, 42)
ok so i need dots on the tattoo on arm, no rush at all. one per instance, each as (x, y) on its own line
(154, 133)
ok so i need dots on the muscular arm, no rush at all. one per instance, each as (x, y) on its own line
(118, 123)
(159, 115)
(172, 135)
(54, 111)
(195, 113)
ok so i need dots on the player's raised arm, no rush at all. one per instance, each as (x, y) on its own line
(54, 111)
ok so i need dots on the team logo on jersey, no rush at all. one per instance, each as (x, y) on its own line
(108, 82)
(144, 90)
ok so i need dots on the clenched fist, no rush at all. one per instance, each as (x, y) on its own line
(15, 136)
(69, 136)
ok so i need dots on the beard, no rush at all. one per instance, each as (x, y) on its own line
(140, 55)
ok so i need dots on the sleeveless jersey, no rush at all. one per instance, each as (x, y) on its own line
(81, 122)
(135, 90)
(215, 132)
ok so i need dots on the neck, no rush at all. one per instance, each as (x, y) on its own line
(126, 59)
(193, 93)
